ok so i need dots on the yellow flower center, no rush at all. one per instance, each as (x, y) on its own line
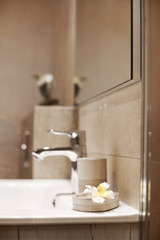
(100, 192)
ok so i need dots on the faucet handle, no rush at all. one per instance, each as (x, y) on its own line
(77, 137)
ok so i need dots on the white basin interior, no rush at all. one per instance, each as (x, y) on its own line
(31, 194)
(31, 202)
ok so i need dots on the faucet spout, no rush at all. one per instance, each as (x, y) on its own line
(76, 149)
(42, 153)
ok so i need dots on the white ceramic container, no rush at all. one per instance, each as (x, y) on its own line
(91, 171)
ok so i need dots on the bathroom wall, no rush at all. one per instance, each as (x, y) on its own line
(36, 37)
(58, 118)
(113, 128)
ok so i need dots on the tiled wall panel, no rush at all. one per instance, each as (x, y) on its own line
(113, 127)
(60, 119)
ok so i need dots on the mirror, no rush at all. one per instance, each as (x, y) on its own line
(103, 46)
(38, 37)
(26, 46)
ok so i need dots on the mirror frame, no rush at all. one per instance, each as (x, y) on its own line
(135, 54)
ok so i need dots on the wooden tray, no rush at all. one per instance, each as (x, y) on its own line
(83, 203)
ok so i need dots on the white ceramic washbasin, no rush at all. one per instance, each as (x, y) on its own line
(31, 194)
(31, 202)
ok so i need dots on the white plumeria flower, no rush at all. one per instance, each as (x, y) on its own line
(98, 200)
(105, 184)
(111, 194)
(89, 187)
(89, 190)
(100, 193)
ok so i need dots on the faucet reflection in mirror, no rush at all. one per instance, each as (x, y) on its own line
(76, 149)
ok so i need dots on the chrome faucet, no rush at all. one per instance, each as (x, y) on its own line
(76, 149)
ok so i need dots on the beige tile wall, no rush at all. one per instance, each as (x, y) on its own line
(113, 129)
(60, 119)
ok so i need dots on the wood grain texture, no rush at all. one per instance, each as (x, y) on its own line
(155, 76)
(81, 202)
(111, 232)
(56, 232)
(8, 233)
(135, 231)
(78, 232)
(154, 138)
(122, 231)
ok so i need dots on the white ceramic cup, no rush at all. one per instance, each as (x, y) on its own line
(91, 171)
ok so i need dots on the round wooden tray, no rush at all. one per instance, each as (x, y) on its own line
(83, 203)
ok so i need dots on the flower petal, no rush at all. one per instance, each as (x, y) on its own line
(88, 192)
(89, 187)
(111, 194)
(105, 185)
(98, 200)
